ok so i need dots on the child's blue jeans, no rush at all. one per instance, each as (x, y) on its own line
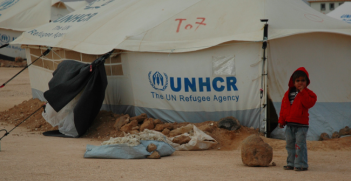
(296, 146)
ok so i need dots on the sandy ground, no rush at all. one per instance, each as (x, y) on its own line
(27, 155)
(15, 91)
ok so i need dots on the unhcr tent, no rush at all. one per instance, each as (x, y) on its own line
(17, 16)
(199, 60)
(342, 12)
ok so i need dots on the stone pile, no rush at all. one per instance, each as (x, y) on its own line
(17, 63)
(343, 132)
(137, 124)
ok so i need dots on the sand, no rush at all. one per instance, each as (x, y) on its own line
(28, 155)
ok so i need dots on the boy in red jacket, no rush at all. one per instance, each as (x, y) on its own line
(294, 114)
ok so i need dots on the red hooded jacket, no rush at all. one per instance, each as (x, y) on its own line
(298, 111)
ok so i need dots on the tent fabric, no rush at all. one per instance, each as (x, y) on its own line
(177, 26)
(24, 15)
(342, 12)
(74, 5)
(69, 79)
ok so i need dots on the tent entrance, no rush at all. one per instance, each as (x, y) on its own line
(272, 117)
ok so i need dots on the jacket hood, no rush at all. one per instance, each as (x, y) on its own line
(291, 82)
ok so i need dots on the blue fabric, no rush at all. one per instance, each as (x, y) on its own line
(123, 151)
(296, 146)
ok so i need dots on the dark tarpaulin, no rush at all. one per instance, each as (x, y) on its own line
(69, 79)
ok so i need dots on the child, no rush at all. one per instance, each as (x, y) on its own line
(294, 114)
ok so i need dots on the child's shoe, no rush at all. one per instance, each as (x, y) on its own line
(288, 168)
(300, 169)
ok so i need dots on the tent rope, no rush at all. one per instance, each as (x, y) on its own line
(44, 54)
(8, 132)
(4, 45)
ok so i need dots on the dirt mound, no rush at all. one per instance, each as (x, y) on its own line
(18, 113)
(103, 128)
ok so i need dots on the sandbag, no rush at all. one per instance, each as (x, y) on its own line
(123, 151)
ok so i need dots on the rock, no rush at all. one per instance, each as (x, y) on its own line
(157, 121)
(273, 164)
(18, 59)
(345, 131)
(134, 132)
(181, 130)
(166, 131)
(324, 136)
(136, 128)
(229, 123)
(161, 127)
(154, 155)
(151, 147)
(38, 125)
(207, 128)
(335, 135)
(255, 152)
(148, 124)
(129, 127)
(181, 139)
(139, 118)
(121, 121)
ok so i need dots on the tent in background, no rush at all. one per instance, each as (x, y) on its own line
(342, 12)
(199, 60)
(17, 16)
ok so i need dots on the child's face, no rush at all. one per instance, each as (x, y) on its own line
(300, 83)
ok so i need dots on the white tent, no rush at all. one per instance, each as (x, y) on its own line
(342, 12)
(60, 9)
(17, 16)
(198, 60)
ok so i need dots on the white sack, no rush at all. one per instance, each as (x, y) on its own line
(199, 141)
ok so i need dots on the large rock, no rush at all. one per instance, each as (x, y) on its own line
(129, 127)
(255, 152)
(345, 131)
(335, 135)
(148, 124)
(229, 123)
(324, 136)
(181, 130)
(161, 127)
(181, 139)
(121, 121)
(139, 118)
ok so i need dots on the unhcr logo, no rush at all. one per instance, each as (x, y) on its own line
(158, 81)
(201, 84)
(7, 3)
(4, 38)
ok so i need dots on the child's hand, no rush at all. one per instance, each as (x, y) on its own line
(300, 88)
(280, 125)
